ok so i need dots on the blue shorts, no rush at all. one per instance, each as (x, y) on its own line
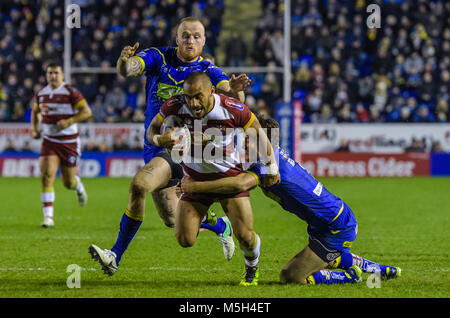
(341, 241)
(150, 151)
(338, 238)
(177, 171)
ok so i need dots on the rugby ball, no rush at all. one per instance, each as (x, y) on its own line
(171, 122)
(180, 135)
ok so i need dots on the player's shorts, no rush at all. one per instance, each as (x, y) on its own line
(68, 153)
(330, 244)
(209, 199)
(150, 151)
(176, 169)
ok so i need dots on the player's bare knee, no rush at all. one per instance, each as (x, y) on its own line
(138, 189)
(185, 241)
(246, 238)
(46, 178)
(70, 184)
(287, 276)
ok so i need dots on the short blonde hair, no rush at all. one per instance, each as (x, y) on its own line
(189, 19)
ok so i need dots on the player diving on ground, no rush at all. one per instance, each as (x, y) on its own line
(332, 226)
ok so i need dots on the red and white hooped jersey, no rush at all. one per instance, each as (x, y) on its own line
(54, 105)
(228, 119)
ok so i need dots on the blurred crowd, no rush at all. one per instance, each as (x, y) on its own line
(32, 33)
(342, 71)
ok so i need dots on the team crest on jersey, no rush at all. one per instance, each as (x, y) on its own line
(234, 104)
(72, 159)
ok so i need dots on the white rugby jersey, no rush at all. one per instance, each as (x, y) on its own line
(227, 120)
(54, 105)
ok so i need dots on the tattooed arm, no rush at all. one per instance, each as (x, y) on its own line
(127, 65)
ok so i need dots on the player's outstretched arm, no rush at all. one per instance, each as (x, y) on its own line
(229, 185)
(127, 64)
(235, 87)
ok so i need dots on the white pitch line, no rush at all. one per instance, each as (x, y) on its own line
(178, 269)
(64, 238)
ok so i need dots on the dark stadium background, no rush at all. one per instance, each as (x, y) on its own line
(367, 113)
(380, 80)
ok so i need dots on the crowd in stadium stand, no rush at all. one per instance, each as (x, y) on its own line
(32, 33)
(342, 71)
(346, 72)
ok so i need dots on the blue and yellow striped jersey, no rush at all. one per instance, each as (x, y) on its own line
(301, 194)
(166, 73)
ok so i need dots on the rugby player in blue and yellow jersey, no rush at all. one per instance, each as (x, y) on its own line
(165, 69)
(332, 226)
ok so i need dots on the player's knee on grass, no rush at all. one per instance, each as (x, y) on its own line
(287, 276)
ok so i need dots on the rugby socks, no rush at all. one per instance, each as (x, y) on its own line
(251, 254)
(47, 199)
(329, 277)
(347, 260)
(216, 225)
(79, 187)
(129, 225)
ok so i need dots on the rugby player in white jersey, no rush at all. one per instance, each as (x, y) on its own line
(200, 106)
(57, 109)
(165, 69)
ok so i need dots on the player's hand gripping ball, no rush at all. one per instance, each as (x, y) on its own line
(179, 134)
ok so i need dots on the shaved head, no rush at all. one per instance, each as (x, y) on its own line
(198, 77)
(198, 94)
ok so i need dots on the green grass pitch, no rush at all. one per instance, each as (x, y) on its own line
(402, 221)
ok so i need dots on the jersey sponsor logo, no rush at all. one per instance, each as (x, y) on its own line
(318, 189)
(332, 256)
(234, 104)
(325, 273)
(357, 260)
(166, 91)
